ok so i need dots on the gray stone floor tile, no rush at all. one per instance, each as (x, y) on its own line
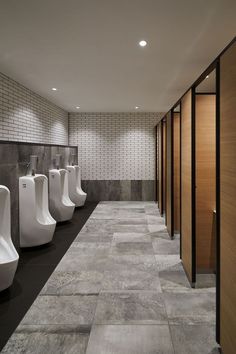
(204, 281)
(130, 308)
(131, 279)
(130, 237)
(41, 343)
(98, 226)
(76, 262)
(94, 237)
(130, 228)
(132, 248)
(168, 262)
(90, 248)
(122, 277)
(132, 221)
(53, 310)
(73, 283)
(174, 281)
(194, 339)
(155, 220)
(163, 246)
(156, 227)
(126, 339)
(163, 234)
(190, 308)
(144, 263)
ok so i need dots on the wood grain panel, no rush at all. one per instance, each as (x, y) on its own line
(228, 200)
(205, 130)
(176, 162)
(164, 165)
(160, 169)
(186, 184)
(169, 180)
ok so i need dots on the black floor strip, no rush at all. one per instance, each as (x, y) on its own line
(35, 267)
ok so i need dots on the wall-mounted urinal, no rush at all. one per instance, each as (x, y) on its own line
(77, 195)
(36, 223)
(8, 255)
(61, 207)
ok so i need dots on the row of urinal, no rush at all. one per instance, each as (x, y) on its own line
(37, 215)
(37, 225)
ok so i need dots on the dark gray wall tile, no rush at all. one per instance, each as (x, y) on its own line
(136, 190)
(14, 158)
(124, 190)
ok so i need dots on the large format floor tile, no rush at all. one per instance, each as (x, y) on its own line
(44, 342)
(132, 248)
(109, 339)
(190, 308)
(122, 289)
(64, 310)
(131, 278)
(130, 308)
(130, 237)
(74, 283)
(194, 339)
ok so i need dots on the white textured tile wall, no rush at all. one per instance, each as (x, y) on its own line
(26, 116)
(115, 146)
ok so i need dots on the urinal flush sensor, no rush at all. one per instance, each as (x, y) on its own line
(73, 159)
(33, 164)
(58, 161)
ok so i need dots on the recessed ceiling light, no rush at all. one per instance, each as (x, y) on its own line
(142, 43)
(54, 89)
(78, 107)
(136, 107)
(207, 77)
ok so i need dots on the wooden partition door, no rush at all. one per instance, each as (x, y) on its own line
(164, 165)
(187, 236)
(169, 175)
(205, 130)
(157, 164)
(160, 168)
(176, 163)
(228, 200)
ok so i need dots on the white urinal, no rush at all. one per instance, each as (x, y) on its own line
(8, 255)
(36, 224)
(61, 206)
(77, 195)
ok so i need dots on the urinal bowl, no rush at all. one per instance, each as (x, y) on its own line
(61, 206)
(8, 255)
(77, 195)
(7, 272)
(36, 224)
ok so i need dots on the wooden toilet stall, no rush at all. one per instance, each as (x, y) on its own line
(197, 184)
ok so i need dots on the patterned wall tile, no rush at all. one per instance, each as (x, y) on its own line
(115, 146)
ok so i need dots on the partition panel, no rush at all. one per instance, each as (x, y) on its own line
(176, 163)
(228, 200)
(169, 175)
(164, 165)
(160, 168)
(156, 164)
(187, 237)
(205, 105)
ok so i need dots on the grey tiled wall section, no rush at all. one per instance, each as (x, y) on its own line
(13, 164)
(131, 190)
(26, 116)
